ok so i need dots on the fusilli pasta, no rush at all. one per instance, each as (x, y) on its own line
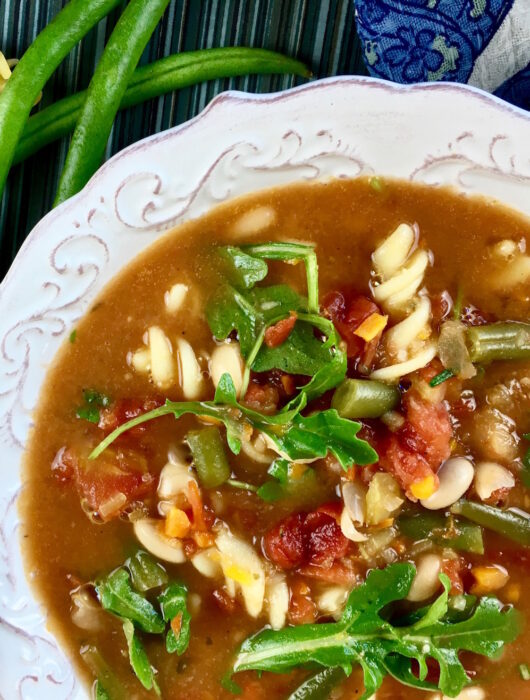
(399, 269)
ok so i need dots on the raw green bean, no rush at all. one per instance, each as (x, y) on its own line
(455, 534)
(105, 93)
(145, 572)
(513, 524)
(209, 456)
(157, 78)
(364, 398)
(319, 686)
(36, 66)
(499, 341)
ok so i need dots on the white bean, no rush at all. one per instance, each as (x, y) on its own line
(161, 357)
(489, 477)
(427, 581)
(254, 221)
(174, 297)
(150, 535)
(278, 599)
(456, 475)
(190, 375)
(226, 359)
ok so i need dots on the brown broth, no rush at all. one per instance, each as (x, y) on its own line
(345, 219)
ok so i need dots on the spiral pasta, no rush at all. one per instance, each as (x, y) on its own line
(400, 270)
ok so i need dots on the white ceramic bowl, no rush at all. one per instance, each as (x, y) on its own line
(340, 127)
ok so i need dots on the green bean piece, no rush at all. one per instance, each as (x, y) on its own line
(145, 572)
(319, 686)
(105, 93)
(499, 341)
(454, 533)
(364, 398)
(209, 456)
(37, 65)
(513, 524)
(155, 79)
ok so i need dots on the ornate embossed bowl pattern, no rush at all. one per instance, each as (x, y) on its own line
(342, 127)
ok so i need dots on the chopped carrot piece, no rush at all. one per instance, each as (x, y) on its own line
(203, 539)
(371, 327)
(488, 578)
(424, 488)
(297, 470)
(176, 624)
(177, 523)
(195, 501)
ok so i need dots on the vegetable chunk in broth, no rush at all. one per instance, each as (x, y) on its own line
(285, 454)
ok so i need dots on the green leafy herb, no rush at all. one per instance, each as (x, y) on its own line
(524, 671)
(73, 335)
(364, 636)
(138, 658)
(93, 402)
(146, 573)
(442, 377)
(290, 252)
(318, 686)
(116, 595)
(297, 437)
(249, 311)
(242, 270)
(173, 605)
(275, 490)
(100, 693)
(525, 472)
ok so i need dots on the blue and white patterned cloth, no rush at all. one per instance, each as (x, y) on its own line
(485, 43)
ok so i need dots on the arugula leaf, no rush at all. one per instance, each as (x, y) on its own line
(138, 658)
(290, 252)
(296, 436)
(116, 595)
(364, 636)
(249, 312)
(146, 573)
(173, 604)
(318, 686)
(525, 472)
(100, 693)
(93, 401)
(241, 269)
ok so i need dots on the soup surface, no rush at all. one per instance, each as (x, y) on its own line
(369, 415)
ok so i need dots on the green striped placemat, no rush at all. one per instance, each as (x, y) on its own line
(319, 32)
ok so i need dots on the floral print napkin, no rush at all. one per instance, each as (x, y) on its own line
(485, 43)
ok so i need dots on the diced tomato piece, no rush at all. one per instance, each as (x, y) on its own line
(347, 313)
(302, 608)
(64, 465)
(453, 569)
(407, 465)
(108, 485)
(278, 334)
(432, 425)
(285, 544)
(124, 410)
(340, 573)
(224, 601)
(324, 539)
(306, 538)
(416, 451)
(262, 398)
